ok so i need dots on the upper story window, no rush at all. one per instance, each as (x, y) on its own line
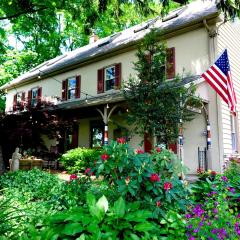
(34, 99)
(34, 96)
(18, 101)
(109, 78)
(71, 88)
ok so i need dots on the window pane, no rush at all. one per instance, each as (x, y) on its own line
(110, 84)
(109, 73)
(34, 93)
(71, 94)
(71, 83)
(97, 137)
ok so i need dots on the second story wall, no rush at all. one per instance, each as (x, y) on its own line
(191, 57)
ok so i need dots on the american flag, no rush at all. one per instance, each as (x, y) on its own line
(219, 77)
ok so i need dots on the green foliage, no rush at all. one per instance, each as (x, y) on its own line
(78, 159)
(215, 212)
(139, 177)
(157, 106)
(100, 221)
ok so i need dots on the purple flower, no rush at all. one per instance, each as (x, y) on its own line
(214, 231)
(216, 203)
(232, 190)
(238, 216)
(209, 223)
(196, 230)
(200, 224)
(215, 211)
(188, 215)
(192, 238)
(198, 211)
(224, 178)
(189, 226)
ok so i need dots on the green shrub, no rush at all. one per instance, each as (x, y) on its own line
(77, 160)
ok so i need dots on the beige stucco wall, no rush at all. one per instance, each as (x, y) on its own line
(191, 55)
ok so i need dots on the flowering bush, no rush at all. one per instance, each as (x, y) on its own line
(136, 176)
(215, 212)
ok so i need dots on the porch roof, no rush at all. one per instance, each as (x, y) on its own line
(189, 15)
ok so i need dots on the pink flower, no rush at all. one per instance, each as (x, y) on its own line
(158, 203)
(158, 149)
(73, 176)
(167, 186)
(87, 170)
(154, 177)
(105, 157)
(121, 140)
(139, 151)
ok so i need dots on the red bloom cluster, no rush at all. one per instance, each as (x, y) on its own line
(73, 176)
(158, 149)
(105, 156)
(167, 186)
(213, 173)
(139, 151)
(158, 203)
(87, 170)
(154, 177)
(121, 140)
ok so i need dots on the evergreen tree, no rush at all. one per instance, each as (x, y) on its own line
(157, 105)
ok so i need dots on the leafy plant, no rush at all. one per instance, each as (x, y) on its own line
(77, 160)
(100, 221)
(137, 176)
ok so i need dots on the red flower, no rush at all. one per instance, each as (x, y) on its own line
(73, 176)
(154, 177)
(105, 157)
(121, 140)
(87, 170)
(92, 174)
(158, 149)
(167, 186)
(139, 151)
(158, 203)
(213, 173)
(200, 170)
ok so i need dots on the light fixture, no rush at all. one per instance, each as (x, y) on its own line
(86, 99)
(107, 105)
(127, 110)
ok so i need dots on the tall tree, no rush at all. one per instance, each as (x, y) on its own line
(156, 105)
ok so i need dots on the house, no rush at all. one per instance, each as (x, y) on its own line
(87, 80)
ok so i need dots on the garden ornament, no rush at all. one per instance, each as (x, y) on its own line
(15, 160)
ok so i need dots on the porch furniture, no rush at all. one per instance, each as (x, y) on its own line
(28, 164)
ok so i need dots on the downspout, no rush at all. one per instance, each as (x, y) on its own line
(212, 50)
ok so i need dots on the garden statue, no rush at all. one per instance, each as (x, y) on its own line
(14, 166)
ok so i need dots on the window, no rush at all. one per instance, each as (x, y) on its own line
(34, 99)
(18, 101)
(233, 120)
(34, 96)
(71, 88)
(109, 78)
(97, 134)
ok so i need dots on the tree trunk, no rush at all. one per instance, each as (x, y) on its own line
(1, 162)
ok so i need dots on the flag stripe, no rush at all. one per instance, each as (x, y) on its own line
(215, 87)
(218, 81)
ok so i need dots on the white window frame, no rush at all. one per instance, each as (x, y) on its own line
(69, 88)
(109, 79)
(34, 99)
